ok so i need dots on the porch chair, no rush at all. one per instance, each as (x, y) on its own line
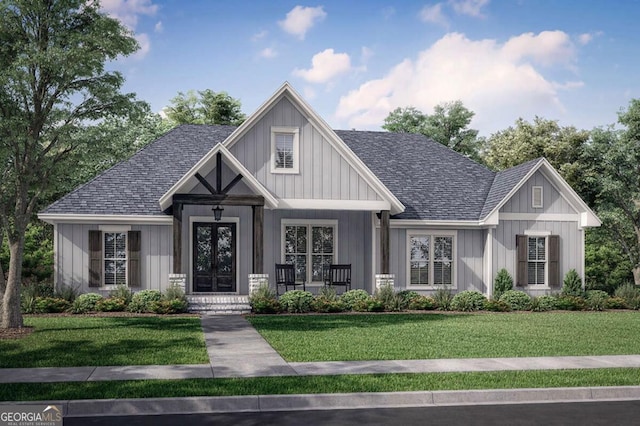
(286, 276)
(338, 275)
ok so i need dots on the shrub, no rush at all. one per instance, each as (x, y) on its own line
(175, 293)
(597, 300)
(323, 304)
(468, 301)
(351, 297)
(407, 296)
(264, 301)
(544, 303)
(85, 303)
(422, 303)
(169, 306)
(496, 306)
(634, 303)
(502, 283)
(628, 292)
(142, 300)
(572, 284)
(443, 298)
(570, 303)
(67, 292)
(45, 305)
(391, 301)
(122, 292)
(369, 304)
(328, 293)
(111, 304)
(296, 301)
(616, 303)
(30, 292)
(517, 300)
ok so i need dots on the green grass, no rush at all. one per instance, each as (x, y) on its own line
(438, 335)
(318, 384)
(96, 341)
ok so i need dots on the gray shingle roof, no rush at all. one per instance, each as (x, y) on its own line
(432, 181)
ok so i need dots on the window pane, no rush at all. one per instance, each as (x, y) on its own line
(319, 262)
(419, 273)
(442, 273)
(121, 272)
(419, 248)
(322, 239)
(109, 272)
(443, 248)
(301, 268)
(109, 245)
(284, 150)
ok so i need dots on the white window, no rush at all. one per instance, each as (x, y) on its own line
(536, 260)
(536, 197)
(309, 245)
(115, 258)
(431, 258)
(285, 149)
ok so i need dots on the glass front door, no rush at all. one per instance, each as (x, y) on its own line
(214, 257)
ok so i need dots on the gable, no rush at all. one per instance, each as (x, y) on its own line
(552, 200)
(324, 174)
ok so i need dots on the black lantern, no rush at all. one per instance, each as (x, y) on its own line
(217, 213)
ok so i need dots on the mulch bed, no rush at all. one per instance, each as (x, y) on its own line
(15, 333)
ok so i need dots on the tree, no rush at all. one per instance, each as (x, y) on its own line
(562, 146)
(53, 85)
(447, 125)
(207, 107)
(614, 157)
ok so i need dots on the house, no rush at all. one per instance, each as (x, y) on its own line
(216, 206)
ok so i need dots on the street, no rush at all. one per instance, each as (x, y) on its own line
(619, 413)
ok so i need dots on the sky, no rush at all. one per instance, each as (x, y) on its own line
(577, 62)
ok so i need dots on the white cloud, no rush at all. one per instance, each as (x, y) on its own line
(268, 53)
(259, 36)
(586, 38)
(324, 66)
(159, 27)
(366, 53)
(434, 15)
(498, 81)
(469, 7)
(127, 12)
(300, 19)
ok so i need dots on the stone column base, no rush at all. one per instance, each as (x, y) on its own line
(178, 280)
(385, 279)
(256, 280)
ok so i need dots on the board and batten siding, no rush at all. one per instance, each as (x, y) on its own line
(468, 260)
(504, 246)
(553, 202)
(323, 172)
(72, 256)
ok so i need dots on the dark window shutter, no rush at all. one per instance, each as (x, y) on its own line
(95, 258)
(522, 259)
(134, 265)
(554, 260)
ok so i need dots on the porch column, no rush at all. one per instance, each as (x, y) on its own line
(177, 238)
(258, 242)
(384, 241)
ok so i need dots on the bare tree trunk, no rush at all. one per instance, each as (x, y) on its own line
(11, 313)
(3, 282)
(636, 275)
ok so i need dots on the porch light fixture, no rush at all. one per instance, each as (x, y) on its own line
(217, 213)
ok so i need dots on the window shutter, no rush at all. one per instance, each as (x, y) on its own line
(95, 258)
(134, 265)
(522, 258)
(554, 260)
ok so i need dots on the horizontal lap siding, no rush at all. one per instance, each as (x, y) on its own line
(72, 258)
(324, 173)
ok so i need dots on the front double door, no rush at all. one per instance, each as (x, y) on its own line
(214, 257)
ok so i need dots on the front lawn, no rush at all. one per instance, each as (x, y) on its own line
(443, 335)
(59, 341)
(318, 384)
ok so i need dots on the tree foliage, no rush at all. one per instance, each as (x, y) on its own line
(205, 107)
(614, 157)
(448, 125)
(53, 85)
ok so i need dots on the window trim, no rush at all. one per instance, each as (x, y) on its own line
(295, 131)
(538, 234)
(432, 233)
(309, 223)
(533, 197)
(116, 230)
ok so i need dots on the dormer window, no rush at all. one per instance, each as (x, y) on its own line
(536, 197)
(285, 149)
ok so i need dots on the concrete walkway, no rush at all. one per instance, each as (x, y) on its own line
(236, 349)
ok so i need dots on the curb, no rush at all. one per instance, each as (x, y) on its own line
(271, 403)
